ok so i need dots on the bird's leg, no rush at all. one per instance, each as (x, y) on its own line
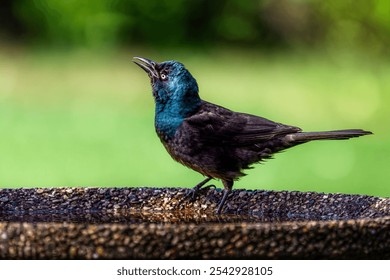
(228, 185)
(194, 191)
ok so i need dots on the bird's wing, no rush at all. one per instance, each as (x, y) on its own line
(218, 125)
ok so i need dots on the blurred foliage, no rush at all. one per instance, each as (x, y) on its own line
(85, 116)
(84, 119)
(267, 23)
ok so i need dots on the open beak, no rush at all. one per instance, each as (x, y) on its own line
(146, 64)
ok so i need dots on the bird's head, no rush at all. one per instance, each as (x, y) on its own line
(171, 82)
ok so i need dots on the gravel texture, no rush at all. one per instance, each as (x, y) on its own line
(149, 223)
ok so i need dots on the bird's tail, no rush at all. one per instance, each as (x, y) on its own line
(302, 137)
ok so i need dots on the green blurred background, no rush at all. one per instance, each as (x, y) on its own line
(74, 110)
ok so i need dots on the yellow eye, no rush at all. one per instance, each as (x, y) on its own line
(163, 76)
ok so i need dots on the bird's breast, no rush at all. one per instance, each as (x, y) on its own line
(183, 153)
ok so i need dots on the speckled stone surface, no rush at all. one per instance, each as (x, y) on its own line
(147, 223)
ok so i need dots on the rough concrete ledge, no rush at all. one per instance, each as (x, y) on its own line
(146, 223)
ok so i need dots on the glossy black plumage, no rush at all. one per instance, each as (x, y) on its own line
(219, 143)
(211, 139)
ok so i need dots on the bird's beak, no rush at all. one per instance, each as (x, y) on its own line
(148, 65)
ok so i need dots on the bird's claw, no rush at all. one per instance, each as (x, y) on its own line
(191, 194)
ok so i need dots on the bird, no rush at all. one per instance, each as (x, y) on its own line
(217, 142)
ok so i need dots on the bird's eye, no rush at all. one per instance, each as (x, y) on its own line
(163, 76)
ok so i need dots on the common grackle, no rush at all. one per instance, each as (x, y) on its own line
(213, 140)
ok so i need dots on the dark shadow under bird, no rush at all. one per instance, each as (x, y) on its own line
(213, 140)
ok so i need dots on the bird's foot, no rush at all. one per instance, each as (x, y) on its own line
(219, 209)
(191, 194)
(205, 189)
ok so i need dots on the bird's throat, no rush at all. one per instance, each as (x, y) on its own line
(167, 127)
(170, 115)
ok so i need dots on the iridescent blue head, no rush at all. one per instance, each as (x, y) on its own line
(175, 92)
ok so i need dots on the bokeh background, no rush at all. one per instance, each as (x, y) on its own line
(74, 110)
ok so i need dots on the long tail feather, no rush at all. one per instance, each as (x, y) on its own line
(301, 137)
